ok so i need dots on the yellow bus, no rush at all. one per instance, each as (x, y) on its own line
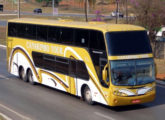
(111, 64)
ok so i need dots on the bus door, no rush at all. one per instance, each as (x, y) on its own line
(72, 77)
(100, 61)
(98, 52)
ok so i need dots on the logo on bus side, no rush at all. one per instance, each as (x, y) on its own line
(44, 48)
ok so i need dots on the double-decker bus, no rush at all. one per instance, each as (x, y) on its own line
(110, 64)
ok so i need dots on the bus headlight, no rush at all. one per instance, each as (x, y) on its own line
(118, 93)
(151, 89)
(123, 92)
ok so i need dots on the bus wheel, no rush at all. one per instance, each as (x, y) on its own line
(30, 77)
(88, 95)
(22, 74)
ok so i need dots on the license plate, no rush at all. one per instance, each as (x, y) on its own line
(136, 101)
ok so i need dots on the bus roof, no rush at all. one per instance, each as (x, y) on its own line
(101, 26)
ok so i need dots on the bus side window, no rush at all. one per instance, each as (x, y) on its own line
(72, 68)
(97, 52)
(42, 33)
(97, 40)
(21, 30)
(81, 70)
(62, 65)
(31, 31)
(38, 59)
(53, 34)
(81, 37)
(66, 36)
(12, 29)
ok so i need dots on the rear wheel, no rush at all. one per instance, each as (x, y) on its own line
(22, 74)
(30, 77)
(88, 95)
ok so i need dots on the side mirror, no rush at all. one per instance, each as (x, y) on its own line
(104, 75)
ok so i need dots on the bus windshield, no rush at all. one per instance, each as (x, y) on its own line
(132, 72)
(128, 43)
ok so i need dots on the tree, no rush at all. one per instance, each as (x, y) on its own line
(87, 5)
(47, 2)
(149, 14)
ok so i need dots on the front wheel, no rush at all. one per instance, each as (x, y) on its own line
(30, 77)
(88, 95)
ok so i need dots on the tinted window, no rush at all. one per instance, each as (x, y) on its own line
(127, 43)
(97, 40)
(42, 33)
(38, 59)
(82, 70)
(31, 31)
(12, 29)
(21, 30)
(48, 62)
(72, 70)
(66, 35)
(62, 65)
(81, 38)
(53, 34)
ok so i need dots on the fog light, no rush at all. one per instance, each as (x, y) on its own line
(115, 101)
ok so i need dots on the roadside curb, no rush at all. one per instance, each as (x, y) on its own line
(160, 82)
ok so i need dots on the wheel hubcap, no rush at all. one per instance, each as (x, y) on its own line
(30, 78)
(88, 95)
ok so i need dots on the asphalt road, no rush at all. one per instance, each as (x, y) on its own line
(50, 14)
(9, 13)
(22, 101)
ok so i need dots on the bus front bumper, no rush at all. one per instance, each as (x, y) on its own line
(122, 101)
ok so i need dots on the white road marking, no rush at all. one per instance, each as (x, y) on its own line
(2, 46)
(104, 116)
(4, 116)
(4, 77)
(16, 113)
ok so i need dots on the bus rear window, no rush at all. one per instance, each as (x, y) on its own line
(128, 43)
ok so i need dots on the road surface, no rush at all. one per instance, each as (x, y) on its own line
(49, 14)
(22, 101)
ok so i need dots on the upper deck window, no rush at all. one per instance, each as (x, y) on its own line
(128, 43)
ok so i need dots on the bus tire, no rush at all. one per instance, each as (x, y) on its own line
(30, 77)
(88, 95)
(22, 74)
